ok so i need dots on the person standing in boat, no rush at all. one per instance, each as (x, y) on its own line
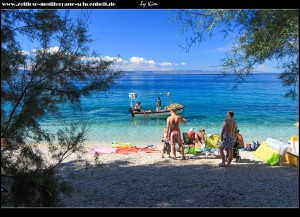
(158, 104)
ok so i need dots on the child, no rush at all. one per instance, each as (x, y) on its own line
(167, 146)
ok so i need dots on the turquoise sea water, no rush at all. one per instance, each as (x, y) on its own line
(260, 109)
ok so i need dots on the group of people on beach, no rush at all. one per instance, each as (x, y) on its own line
(197, 138)
(229, 136)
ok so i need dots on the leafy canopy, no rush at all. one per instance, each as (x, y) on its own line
(259, 35)
(36, 83)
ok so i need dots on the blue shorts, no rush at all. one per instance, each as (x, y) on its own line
(228, 142)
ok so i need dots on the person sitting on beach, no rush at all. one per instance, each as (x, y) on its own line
(137, 107)
(167, 146)
(191, 135)
(240, 140)
(173, 132)
(200, 139)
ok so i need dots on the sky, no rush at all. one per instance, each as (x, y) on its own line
(148, 40)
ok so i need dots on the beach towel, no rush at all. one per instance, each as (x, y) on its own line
(135, 150)
(104, 150)
(209, 150)
(127, 150)
(192, 150)
(121, 144)
(150, 150)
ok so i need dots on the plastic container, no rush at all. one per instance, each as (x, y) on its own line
(275, 144)
(294, 145)
(292, 159)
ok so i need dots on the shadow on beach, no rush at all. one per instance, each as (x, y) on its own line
(196, 182)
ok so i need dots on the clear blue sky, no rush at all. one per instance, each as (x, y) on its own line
(149, 40)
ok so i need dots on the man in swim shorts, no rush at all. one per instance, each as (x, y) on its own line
(173, 132)
(228, 137)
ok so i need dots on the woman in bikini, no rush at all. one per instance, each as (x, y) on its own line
(173, 132)
(240, 140)
(200, 139)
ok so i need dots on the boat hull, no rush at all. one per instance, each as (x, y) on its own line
(155, 114)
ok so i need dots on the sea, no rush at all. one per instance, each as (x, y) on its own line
(259, 106)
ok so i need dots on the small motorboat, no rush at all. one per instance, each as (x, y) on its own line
(154, 113)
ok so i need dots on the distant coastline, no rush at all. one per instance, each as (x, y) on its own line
(195, 72)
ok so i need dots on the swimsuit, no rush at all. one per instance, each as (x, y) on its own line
(228, 142)
(199, 138)
(175, 137)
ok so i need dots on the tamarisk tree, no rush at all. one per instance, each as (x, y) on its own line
(259, 35)
(34, 84)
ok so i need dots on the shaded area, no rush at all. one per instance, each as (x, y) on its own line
(170, 183)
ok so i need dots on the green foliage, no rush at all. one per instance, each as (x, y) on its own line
(34, 188)
(259, 35)
(69, 141)
(35, 84)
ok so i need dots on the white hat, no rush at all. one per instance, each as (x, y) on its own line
(192, 129)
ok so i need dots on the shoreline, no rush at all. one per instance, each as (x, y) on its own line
(143, 135)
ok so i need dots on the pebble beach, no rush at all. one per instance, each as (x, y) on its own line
(143, 180)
